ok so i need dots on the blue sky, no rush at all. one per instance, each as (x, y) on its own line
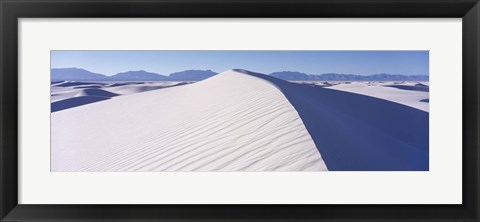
(310, 62)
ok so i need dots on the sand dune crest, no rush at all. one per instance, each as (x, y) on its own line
(229, 122)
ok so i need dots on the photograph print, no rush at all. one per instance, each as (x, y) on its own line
(239, 111)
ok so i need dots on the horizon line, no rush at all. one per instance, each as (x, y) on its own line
(238, 68)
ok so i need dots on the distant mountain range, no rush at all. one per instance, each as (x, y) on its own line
(137, 75)
(77, 74)
(298, 76)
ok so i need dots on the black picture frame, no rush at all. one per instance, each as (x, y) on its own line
(12, 10)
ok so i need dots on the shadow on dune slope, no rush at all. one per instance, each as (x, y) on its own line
(417, 87)
(91, 94)
(83, 97)
(359, 133)
(96, 92)
(73, 83)
(75, 101)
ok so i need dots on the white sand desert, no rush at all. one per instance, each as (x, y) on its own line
(238, 121)
(229, 122)
(387, 91)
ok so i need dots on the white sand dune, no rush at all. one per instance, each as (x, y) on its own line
(137, 88)
(229, 122)
(68, 89)
(354, 132)
(95, 92)
(58, 94)
(383, 91)
(68, 94)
